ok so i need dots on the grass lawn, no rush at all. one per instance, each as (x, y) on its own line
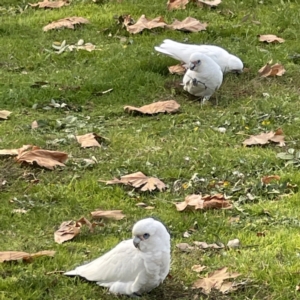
(173, 148)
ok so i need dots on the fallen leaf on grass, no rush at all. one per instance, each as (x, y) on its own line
(20, 211)
(69, 229)
(17, 255)
(4, 114)
(268, 179)
(235, 243)
(270, 38)
(34, 125)
(271, 71)
(50, 4)
(169, 106)
(108, 214)
(196, 202)
(66, 22)
(204, 245)
(266, 138)
(214, 280)
(145, 206)
(198, 268)
(211, 3)
(44, 158)
(139, 180)
(177, 4)
(14, 151)
(89, 140)
(185, 247)
(189, 24)
(177, 69)
(144, 23)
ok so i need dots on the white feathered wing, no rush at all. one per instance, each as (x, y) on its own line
(182, 52)
(129, 270)
(203, 77)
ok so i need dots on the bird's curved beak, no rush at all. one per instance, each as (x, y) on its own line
(136, 242)
(193, 65)
(238, 72)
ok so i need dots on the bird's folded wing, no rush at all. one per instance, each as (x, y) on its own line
(122, 263)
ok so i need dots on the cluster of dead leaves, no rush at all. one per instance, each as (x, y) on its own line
(169, 106)
(70, 229)
(27, 257)
(189, 24)
(181, 4)
(33, 154)
(69, 22)
(196, 202)
(139, 180)
(265, 138)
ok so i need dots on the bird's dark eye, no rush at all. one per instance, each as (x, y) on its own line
(146, 236)
(199, 61)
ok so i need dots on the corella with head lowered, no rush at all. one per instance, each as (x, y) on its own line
(182, 52)
(203, 76)
(134, 266)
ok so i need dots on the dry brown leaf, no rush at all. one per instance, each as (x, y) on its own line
(189, 24)
(265, 138)
(34, 125)
(145, 206)
(4, 114)
(44, 158)
(14, 151)
(198, 268)
(108, 214)
(67, 231)
(268, 179)
(210, 3)
(177, 69)
(139, 180)
(17, 255)
(144, 23)
(271, 71)
(185, 247)
(66, 22)
(169, 106)
(204, 245)
(177, 4)
(196, 202)
(50, 4)
(270, 38)
(214, 280)
(227, 287)
(89, 140)
(85, 221)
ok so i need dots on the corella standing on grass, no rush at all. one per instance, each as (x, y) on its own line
(134, 266)
(182, 52)
(203, 76)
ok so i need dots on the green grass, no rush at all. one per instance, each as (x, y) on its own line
(156, 145)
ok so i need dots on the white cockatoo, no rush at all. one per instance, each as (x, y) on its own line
(182, 52)
(134, 266)
(203, 76)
